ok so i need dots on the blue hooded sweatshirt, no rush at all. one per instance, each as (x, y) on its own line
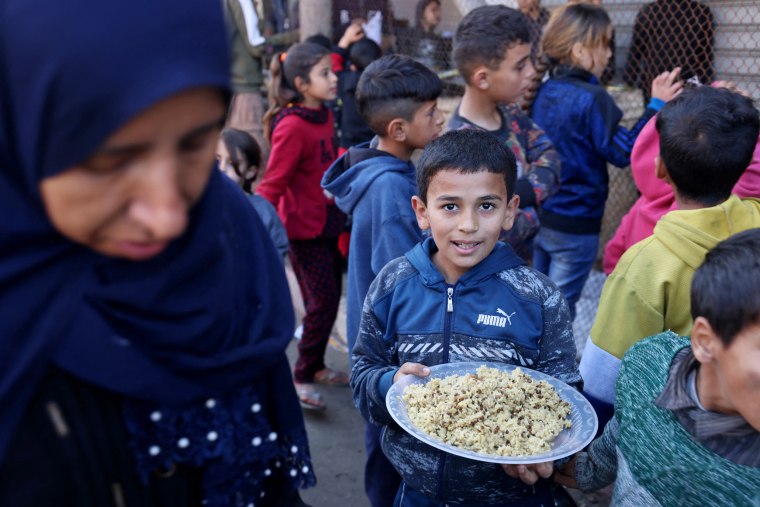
(499, 311)
(376, 188)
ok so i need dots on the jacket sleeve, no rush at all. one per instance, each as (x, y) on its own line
(611, 140)
(623, 318)
(374, 363)
(597, 467)
(543, 171)
(284, 159)
(557, 353)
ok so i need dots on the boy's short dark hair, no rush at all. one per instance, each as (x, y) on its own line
(363, 52)
(394, 87)
(724, 289)
(320, 40)
(707, 137)
(467, 151)
(484, 35)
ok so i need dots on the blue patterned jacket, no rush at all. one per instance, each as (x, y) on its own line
(500, 311)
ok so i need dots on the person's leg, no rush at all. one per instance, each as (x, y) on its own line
(381, 481)
(541, 259)
(314, 265)
(571, 258)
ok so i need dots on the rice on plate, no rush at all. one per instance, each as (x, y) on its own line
(490, 412)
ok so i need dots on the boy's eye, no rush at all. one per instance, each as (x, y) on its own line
(487, 206)
(450, 207)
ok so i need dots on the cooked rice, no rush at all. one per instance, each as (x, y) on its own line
(491, 412)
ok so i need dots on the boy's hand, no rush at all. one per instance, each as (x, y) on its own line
(529, 474)
(565, 474)
(417, 369)
(667, 85)
(353, 33)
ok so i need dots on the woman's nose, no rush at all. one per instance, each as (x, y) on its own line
(159, 205)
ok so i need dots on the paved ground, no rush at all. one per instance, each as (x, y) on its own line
(336, 437)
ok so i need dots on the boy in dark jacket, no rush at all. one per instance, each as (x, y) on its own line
(352, 128)
(398, 98)
(432, 307)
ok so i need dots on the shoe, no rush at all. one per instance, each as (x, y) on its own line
(330, 377)
(310, 398)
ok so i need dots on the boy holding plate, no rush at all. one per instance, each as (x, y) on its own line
(460, 295)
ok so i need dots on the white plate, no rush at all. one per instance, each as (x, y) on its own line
(570, 441)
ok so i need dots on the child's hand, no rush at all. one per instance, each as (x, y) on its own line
(353, 33)
(565, 474)
(417, 369)
(529, 474)
(667, 85)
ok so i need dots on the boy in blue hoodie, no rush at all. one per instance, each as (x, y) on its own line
(374, 183)
(432, 306)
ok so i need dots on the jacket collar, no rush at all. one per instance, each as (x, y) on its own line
(572, 73)
(503, 257)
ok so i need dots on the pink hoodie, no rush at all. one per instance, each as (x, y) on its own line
(657, 196)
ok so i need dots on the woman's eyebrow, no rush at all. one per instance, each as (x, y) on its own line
(129, 149)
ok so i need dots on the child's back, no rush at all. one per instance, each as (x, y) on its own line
(707, 137)
(460, 295)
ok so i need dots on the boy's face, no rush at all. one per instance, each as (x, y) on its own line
(737, 370)
(133, 195)
(509, 82)
(425, 126)
(466, 214)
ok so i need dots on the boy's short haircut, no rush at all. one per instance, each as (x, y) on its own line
(467, 151)
(707, 137)
(484, 35)
(320, 40)
(363, 52)
(724, 289)
(394, 87)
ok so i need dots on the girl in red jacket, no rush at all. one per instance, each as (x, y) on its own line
(300, 130)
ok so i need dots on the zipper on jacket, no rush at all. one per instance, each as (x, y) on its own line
(446, 340)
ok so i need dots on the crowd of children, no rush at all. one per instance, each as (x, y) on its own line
(502, 214)
(147, 362)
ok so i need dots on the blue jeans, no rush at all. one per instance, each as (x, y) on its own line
(567, 259)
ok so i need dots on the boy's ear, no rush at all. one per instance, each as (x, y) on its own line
(479, 78)
(420, 211)
(396, 130)
(509, 218)
(705, 342)
(661, 170)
